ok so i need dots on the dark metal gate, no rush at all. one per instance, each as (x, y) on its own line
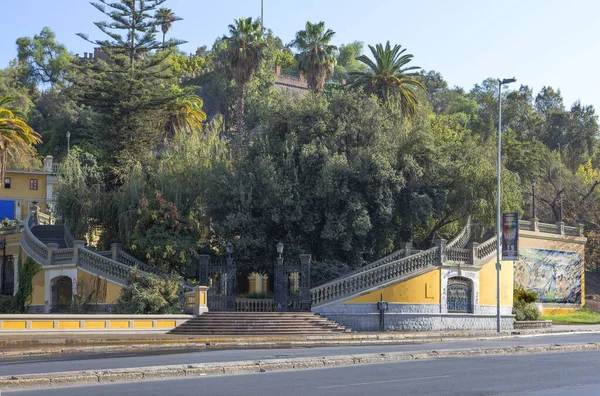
(8, 276)
(460, 291)
(221, 279)
(292, 285)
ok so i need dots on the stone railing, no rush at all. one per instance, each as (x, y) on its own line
(105, 253)
(130, 261)
(463, 237)
(559, 228)
(375, 277)
(382, 261)
(34, 248)
(485, 249)
(464, 255)
(254, 305)
(63, 256)
(98, 264)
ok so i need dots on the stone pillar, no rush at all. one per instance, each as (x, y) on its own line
(252, 283)
(407, 246)
(204, 261)
(201, 305)
(51, 248)
(114, 248)
(580, 229)
(474, 246)
(535, 224)
(77, 246)
(265, 283)
(281, 286)
(16, 271)
(48, 163)
(561, 227)
(305, 302)
(47, 292)
(441, 245)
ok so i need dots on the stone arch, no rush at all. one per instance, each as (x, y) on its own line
(62, 293)
(460, 295)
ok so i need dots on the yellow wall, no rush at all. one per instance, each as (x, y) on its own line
(423, 289)
(113, 291)
(37, 296)
(488, 281)
(19, 186)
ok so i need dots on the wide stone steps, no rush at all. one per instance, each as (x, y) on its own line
(250, 323)
(50, 234)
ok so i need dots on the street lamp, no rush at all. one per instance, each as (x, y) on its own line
(280, 249)
(68, 142)
(500, 84)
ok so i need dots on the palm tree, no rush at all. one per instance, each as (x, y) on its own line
(16, 137)
(165, 18)
(245, 45)
(316, 59)
(386, 76)
(184, 114)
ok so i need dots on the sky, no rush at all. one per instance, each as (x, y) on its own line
(540, 42)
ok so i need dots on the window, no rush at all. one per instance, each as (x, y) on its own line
(7, 182)
(33, 184)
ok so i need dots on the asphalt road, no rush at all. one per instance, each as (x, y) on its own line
(539, 374)
(48, 365)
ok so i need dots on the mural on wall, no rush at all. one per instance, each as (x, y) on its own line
(555, 275)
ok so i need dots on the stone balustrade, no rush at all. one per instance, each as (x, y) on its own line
(254, 304)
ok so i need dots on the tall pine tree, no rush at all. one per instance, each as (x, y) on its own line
(130, 87)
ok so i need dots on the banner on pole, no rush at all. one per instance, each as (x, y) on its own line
(510, 236)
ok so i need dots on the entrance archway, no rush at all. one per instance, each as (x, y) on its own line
(62, 294)
(460, 292)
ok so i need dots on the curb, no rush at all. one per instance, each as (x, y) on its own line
(206, 343)
(88, 377)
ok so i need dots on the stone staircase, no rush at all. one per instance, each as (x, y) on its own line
(259, 323)
(51, 234)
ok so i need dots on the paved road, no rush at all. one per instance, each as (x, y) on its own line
(47, 365)
(540, 374)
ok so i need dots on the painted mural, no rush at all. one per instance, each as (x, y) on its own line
(555, 275)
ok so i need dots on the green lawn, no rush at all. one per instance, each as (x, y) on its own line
(581, 316)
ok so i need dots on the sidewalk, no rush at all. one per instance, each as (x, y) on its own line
(16, 344)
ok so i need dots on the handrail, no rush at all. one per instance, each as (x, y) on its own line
(127, 259)
(463, 237)
(464, 255)
(109, 268)
(377, 276)
(34, 248)
(486, 249)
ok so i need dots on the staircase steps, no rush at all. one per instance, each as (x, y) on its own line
(259, 323)
(50, 234)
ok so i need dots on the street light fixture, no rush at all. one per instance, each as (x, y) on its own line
(68, 142)
(498, 240)
(280, 249)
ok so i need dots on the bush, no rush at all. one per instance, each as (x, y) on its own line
(524, 295)
(525, 311)
(148, 294)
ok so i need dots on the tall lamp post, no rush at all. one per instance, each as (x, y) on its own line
(68, 142)
(498, 229)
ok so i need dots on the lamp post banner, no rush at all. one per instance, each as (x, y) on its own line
(510, 236)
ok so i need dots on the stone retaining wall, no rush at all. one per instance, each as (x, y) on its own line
(109, 323)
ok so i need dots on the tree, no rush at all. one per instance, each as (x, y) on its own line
(346, 60)
(245, 45)
(16, 137)
(44, 59)
(165, 18)
(185, 114)
(387, 77)
(131, 90)
(317, 57)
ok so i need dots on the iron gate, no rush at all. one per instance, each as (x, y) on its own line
(222, 282)
(459, 295)
(292, 285)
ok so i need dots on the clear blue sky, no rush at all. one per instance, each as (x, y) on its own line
(540, 42)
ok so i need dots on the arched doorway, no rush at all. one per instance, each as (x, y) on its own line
(62, 294)
(460, 292)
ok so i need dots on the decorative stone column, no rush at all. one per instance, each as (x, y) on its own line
(201, 305)
(441, 245)
(51, 248)
(114, 249)
(77, 246)
(407, 246)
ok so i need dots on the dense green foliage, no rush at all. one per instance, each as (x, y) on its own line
(158, 163)
(147, 294)
(20, 301)
(524, 307)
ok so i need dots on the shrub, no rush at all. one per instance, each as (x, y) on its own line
(524, 295)
(148, 294)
